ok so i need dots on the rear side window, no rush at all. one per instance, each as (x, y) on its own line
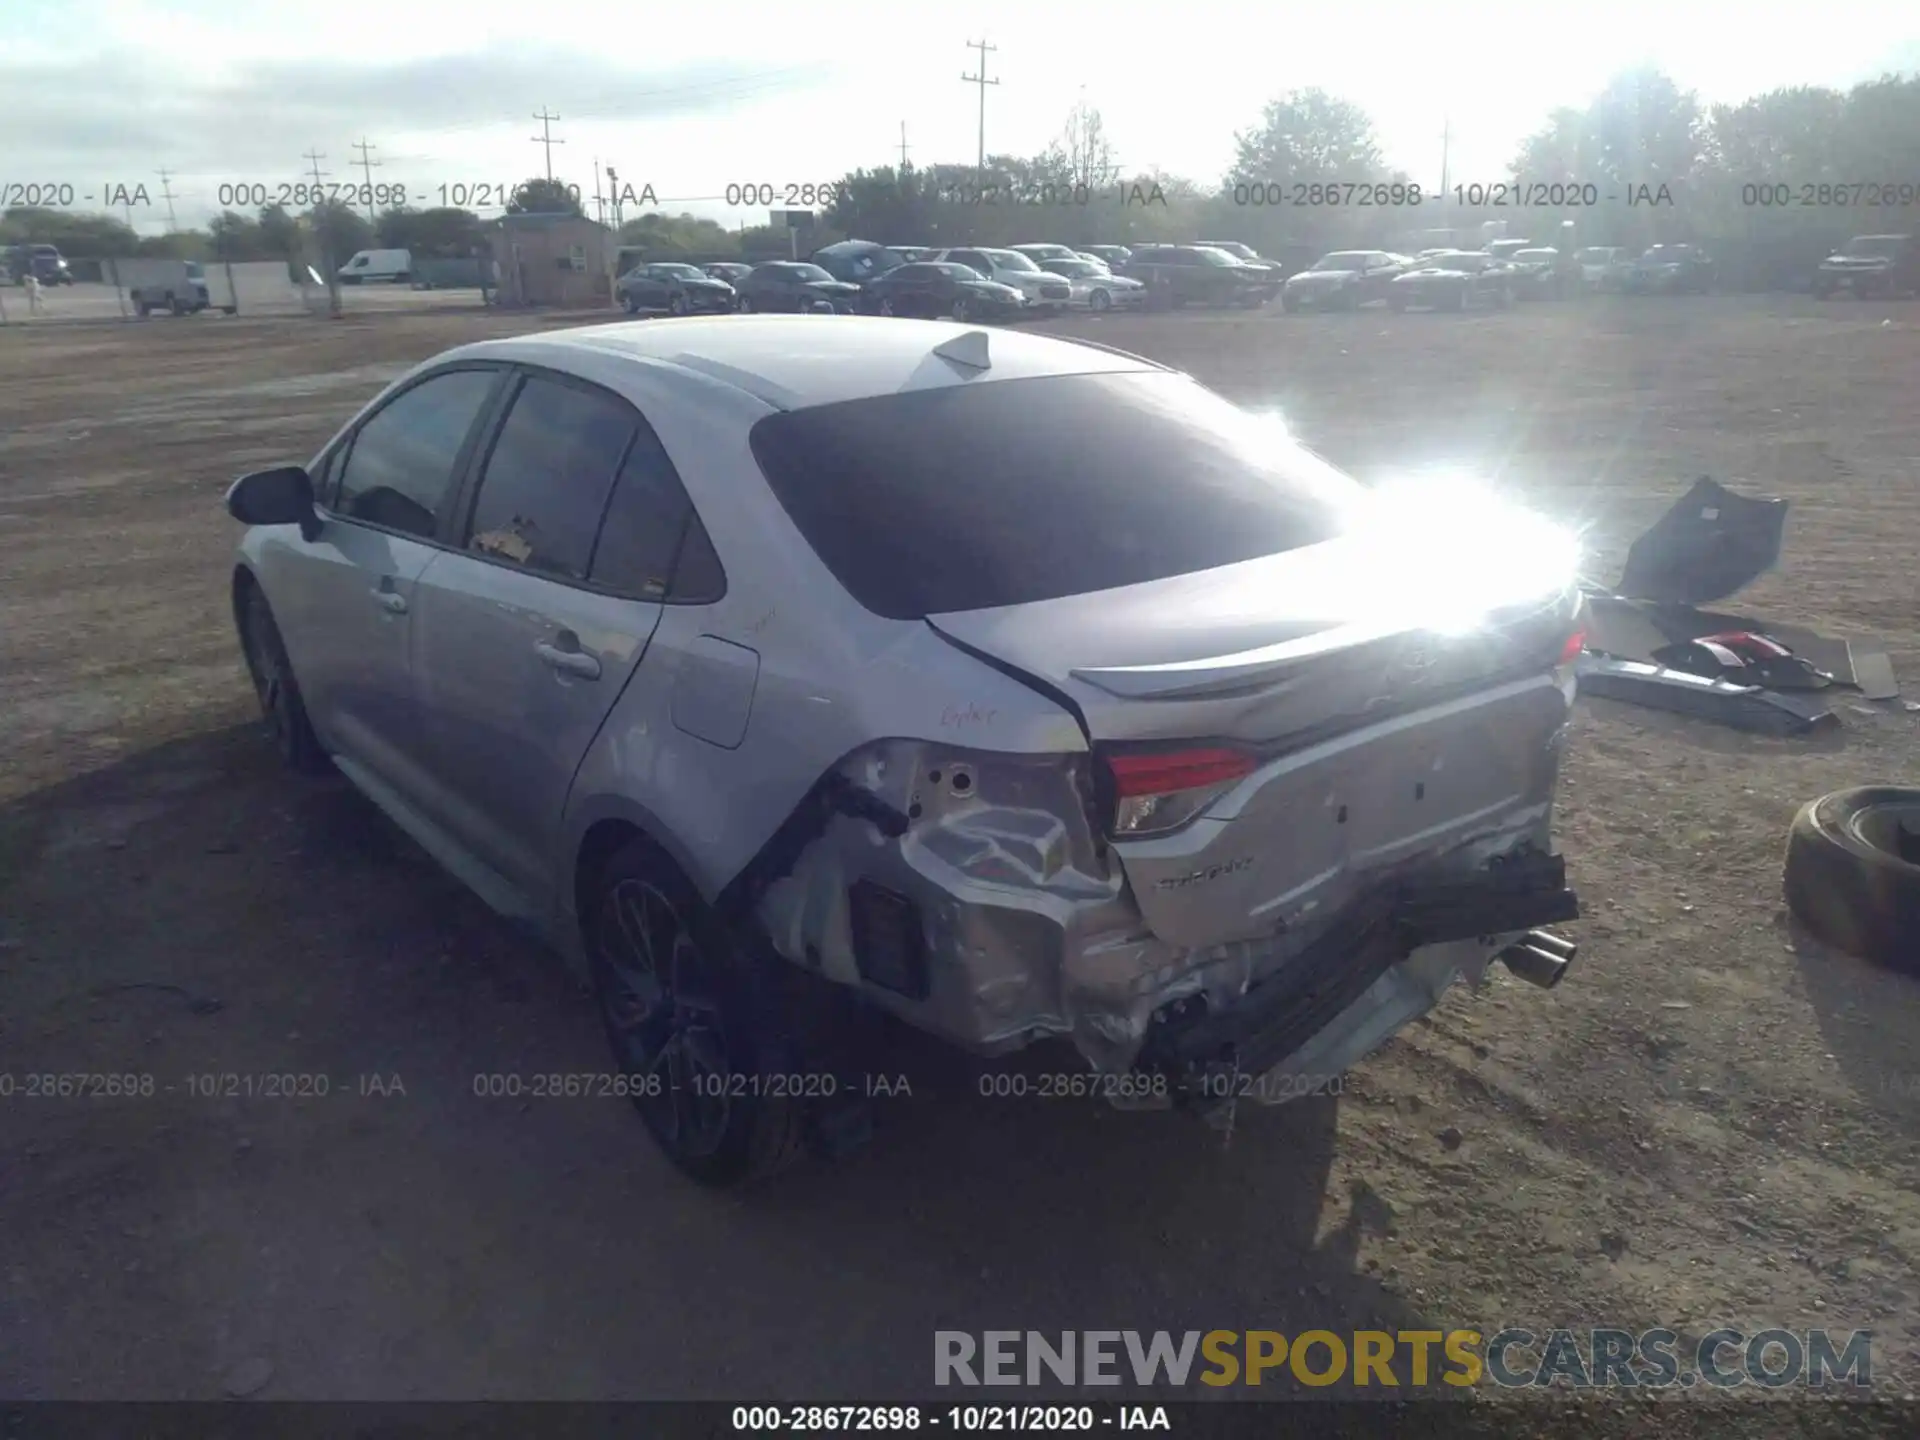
(969, 497)
(400, 467)
(652, 545)
(546, 481)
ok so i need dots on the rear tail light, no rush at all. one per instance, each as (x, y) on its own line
(1160, 790)
(1570, 652)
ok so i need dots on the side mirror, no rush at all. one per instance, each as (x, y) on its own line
(282, 496)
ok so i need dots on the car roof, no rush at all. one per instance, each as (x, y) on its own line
(794, 362)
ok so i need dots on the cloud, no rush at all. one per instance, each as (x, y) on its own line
(123, 110)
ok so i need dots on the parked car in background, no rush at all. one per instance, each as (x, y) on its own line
(1870, 265)
(1604, 267)
(377, 267)
(1040, 254)
(676, 288)
(1114, 255)
(1344, 280)
(910, 253)
(1507, 249)
(1539, 273)
(177, 287)
(1095, 287)
(44, 263)
(1246, 255)
(1454, 280)
(928, 289)
(1044, 292)
(731, 271)
(1177, 275)
(795, 287)
(1671, 270)
(655, 637)
(856, 261)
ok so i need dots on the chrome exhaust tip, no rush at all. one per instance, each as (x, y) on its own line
(1539, 958)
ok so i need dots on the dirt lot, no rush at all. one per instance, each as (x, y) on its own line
(1711, 1123)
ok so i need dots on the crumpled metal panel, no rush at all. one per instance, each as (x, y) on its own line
(1030, 928)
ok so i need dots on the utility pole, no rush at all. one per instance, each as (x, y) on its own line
(599, 201)
(903, 145)
(545, 137)
(313, 158)
(166, 189)
(366, 168)
(613, 184)
(983, 82)
(1446, 138)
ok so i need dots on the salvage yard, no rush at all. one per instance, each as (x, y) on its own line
(1713, 1122)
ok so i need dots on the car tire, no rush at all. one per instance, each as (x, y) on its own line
(178, 307)
(1847, 881)
(633, 305)
(688, 1038)
(274, 686)
(886, 307)
(1100, 300)
(744, 305)
(962, 311)
(678, 305)
(1290, 304)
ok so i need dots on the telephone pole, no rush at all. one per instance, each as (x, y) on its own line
(313, 158)
(983, 82)
(166, 190)
(903, 145)
(1446, 139)
(599, 200)
(367, 163)
(545, 137)
(613, 185)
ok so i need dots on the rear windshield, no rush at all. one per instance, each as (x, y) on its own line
(968, 497)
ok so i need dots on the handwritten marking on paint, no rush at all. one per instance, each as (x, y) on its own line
(960, 717)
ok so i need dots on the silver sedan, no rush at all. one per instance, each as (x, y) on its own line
(1095, 287)
(1012, 685)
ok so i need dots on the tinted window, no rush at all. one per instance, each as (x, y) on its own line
(401, 465)
(967, 497)
(547, 479)
(649, 522)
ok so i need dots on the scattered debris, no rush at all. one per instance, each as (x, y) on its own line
(1711, 543)
(1744, 707)
(1741, 657)
(1450, 1138)
(1613, 1244)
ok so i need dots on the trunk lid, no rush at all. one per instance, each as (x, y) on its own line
(1375, 739)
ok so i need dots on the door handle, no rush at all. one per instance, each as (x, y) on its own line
(391, 600)
(569, 660)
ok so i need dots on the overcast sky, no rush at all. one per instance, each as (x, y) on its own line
(691, 99)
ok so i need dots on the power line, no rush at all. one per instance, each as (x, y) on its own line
(983, 82)
(545, 137)
(166, 190)
(366, 166)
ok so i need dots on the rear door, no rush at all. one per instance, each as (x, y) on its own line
(526, 635)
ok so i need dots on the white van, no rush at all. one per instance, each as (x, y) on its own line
(377, 267)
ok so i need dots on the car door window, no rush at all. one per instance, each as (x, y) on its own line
(651, 544)
(399, 470)
(547, 477)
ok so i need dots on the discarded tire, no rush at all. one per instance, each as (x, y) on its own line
(1853, 873)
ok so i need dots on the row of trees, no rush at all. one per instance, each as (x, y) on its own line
(1756, 181)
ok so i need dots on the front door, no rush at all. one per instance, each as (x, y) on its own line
(346, 608)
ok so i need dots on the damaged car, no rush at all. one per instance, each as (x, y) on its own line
(760, 660)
